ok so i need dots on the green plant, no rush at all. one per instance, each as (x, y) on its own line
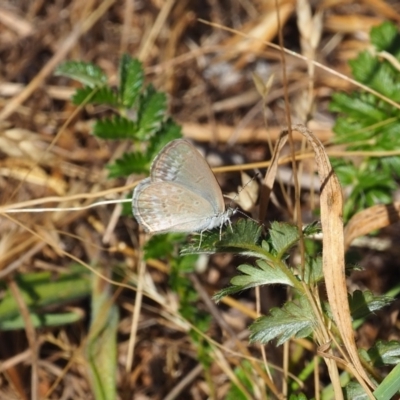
(139, 112)
(140, 116)
(366, 123)
(40, 291)
(297, 317)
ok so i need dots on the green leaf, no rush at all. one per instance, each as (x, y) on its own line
(152, 113)
(169, 131)
(354, 391)
(312, 229)
(180, 283)
(377, 73)
(391, 164)
(187, 264)
(140, 162)
(357, 107)
(300, 396)
(127, 206)
(41, 320)
(390, 386)
(163, 246)
(265, 246)
(370, 184)
(385, 37)
(101, 345)
(293, 319)
(243, 372)
(283, 237)
(98, 95)
(386, 81)
(116, 127)
(129, 163)
(364, 67)
(385, 353)
(363, 303)
(263, 274)
(88, 74)
(313, 270)
(40, 290)
(131, 77)
(243, 236)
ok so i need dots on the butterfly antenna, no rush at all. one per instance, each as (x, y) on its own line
(247, 216)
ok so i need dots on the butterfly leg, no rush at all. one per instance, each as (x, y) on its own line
(222, 225)
(201, 238)
(230, 225)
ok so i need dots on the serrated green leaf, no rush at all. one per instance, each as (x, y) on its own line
(345, 170)
(87, 73)
(283, 237)
(244, 234)
(357, 107)
(88, 95)
(392, 165)
(386, 81)
(367, 123)
(228, 291)
(377, 196)
(241, 236)
(169, 131)
(385, 37)
(354, 391)
(384, 353)
(265, 274)
(370, 184)
(313, 273)
(312, 229)
(293, 319)
(116, 127)
(364, 67)
(152, 113)
(129, 163)
(131, 78)
(363, 303)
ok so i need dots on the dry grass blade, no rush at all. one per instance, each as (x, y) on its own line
(66, 45)
(224, 326)
(371, 219)
(333, 241)
(53, 182)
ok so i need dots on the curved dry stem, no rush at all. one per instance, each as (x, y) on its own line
(333, 244)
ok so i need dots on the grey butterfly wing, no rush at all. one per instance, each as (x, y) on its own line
(179, 162)
(169, 207)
